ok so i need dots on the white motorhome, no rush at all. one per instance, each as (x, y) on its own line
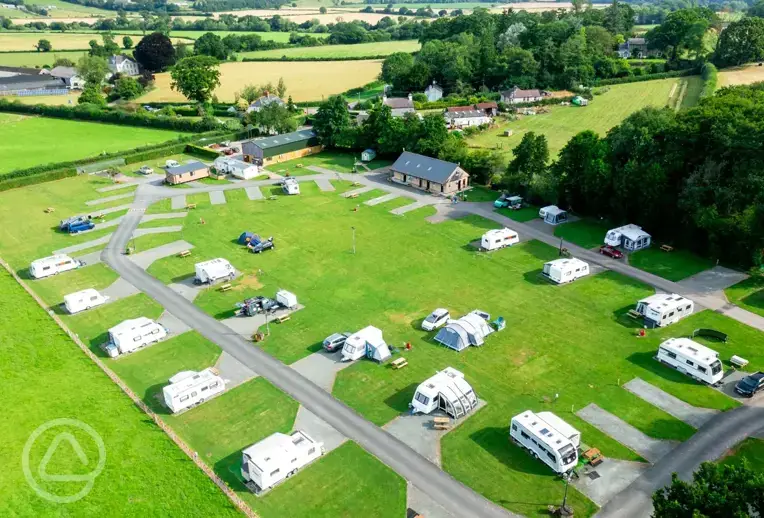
(548, 438)
(630, 237)
(132, 335)
(366, 342)
(82, 300)
(213, 270)
(553, 214)
(189, 388)
(52, 265)
(278, 456)
(499, 238)
(663, 309)
(448, 391)
(691, 358)
(290, 186)
(236, 168)
(562, 271)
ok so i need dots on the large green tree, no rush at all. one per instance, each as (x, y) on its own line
(584, 174)
(332, 118)
(682, 30)
(93, 70)
(741, 42)
(273, 118)
(530, 157)
(210, 44)
(196, 77)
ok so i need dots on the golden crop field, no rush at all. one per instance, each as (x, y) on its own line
(60, 41)
(305, 81)
(744, 75)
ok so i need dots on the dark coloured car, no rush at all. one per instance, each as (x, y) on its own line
(262, 246)
(611, 252)
(750, 385)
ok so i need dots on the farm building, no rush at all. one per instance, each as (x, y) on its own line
(548, 438)
(28, 84)
(133, 334)
(236, 168)
(52, 265)
(82, 300)
(366, 342)
(429, 174)
(448, 391)
(553, 215)
(368, 155)
(265, 100)
(471, 329)
(123, 65)
(278, 456)
(466, 118)
(279, 148)
(663, 309)
(691, 358)
(490, 108)
(188, 388)
(187, 172)
(399, 106)
(517, 95)
(563, 271)
(433, 92)
(69, 76)
(630, 237)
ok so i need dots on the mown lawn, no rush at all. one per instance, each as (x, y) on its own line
(45, 377)
(674, 266)
(52, 289)
(333, 160)
(748, 294)
(750, 450)
(522, 215)
(359, 50)
(584, 233)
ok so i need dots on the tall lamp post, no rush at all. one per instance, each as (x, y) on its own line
(565, 510)
(353, 229)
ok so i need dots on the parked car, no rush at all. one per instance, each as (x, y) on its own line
(171, 163)
(335, 342)
(509, 202)
(436, 319)
(750, 385)
(145, 170)
(611, 252)
(260, 247)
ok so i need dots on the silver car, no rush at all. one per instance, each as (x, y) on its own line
(335, 342)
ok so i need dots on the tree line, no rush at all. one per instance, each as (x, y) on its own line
(163, 6)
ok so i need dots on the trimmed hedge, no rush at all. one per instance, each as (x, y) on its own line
(316, 58)
(201, 152)
(647, 77)
(710, 75)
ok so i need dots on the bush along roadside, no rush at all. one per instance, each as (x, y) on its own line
(709, 73)
(646, 77)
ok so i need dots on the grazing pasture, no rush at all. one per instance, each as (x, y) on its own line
(337, 51)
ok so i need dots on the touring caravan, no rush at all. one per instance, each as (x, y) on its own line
(287, 299)
(236, 168)
(553, 215)
(189, 388)
(448, 391)
(52, 265)
(471, 329)
(691, 358)
(562, 271)
(499, 238)
(630, 237)
(290, 186)
(662, 309)
(548, 438)
(213, 270)
(366, 342)
(82, 300)
(278, 456)
(133, 334)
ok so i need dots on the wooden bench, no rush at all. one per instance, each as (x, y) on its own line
(441, 423)
(354, 195)
(49, 210)
(191, 206)
(399, 363)
(667, 248)
(225, 287)
(737, 361)
(185, 253)
(593, 456)
(633, 313)
(283, 318)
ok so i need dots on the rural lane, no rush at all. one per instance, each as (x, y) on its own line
(448, 492)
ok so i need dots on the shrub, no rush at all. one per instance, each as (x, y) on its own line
(646, 77)
(709, 74)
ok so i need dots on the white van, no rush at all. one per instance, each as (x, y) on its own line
(52, 265)
(213, 270)
(277, 457)
(189, 388)
(499, 238)
(563, 271)
(290, 186)
(548, 438)
(132, 335)
(691, 358)
(82, 300)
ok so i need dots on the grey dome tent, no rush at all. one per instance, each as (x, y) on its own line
(459, 334)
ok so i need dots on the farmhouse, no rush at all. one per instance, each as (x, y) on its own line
(399, 106)
(448, 391)
(465, 118)
(267, 150)
(264, 101)
(471, 329)
(429, 174)
(278, 456)
(187, 172)
(123, 65)
(663, 309)
(69, 76)
(517, 95)
(630, 237)
(635, 48)
(433, 92)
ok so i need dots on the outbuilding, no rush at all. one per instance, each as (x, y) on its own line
(662, 309)
(466, 118)
(189, 388)
(278, 456)
(52, 265)
(213, 270)
(236, 168)
(82, 300)
(366, 342)
(433, 92)
(133, 334)
(279, 148)
(368, 155)
(429, 174)
(553, 214)
(565, 270)
(499, 238)
(630, 237)
(188, 172)
(471, 329)
(447, 391)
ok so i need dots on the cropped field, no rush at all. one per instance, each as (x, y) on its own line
(34, 59)
(744, 75)
(50, 100)
(28, 141)
(305, 81)
(337, 51)
(60, 41)
(562, 122)
(68, 9)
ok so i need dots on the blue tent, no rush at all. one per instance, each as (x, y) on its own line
(247, 238)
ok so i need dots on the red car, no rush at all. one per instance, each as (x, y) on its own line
(611, 252)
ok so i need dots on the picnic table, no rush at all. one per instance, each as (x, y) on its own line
(399, 363)
(593, 457)
(185, 253)
(225, 287)
(633, 313)
(441, 423)
(283, 318)
(667, 248)
(191, 206)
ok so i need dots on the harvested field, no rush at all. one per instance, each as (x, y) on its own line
(744, 75)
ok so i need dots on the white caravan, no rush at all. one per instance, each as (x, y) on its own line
(189, 388)
(286, 299)
(236, 168)
(366, 342)
(562, 271)
(52, 265)
(278, 456)
(133, 334)
(499, 238)
(213, 270)
(630, 237)
(290, 186)
(82, 300)
(662, 309)
(548, 438)
(448, 391)
(691, 358)
(553, 214)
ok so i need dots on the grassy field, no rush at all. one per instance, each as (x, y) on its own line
(34, 59)
(59, 40)
(562, 122)
(47, 377)
(584, 233)
(748, 294)
(337, 51)
(741, 75)
(305, 81)
(28, 141)
(51, 100)
(63, 9)
(674, 266)
(341, 162)
(750, 450)
(688, 92)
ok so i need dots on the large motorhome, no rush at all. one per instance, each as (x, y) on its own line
(133, 334)
(663, 309)
(448, 391)
(548, 438)
(189, 388)
(691, 358)
(562, 271)
(52, 265)
(82, 300)
(278, 456)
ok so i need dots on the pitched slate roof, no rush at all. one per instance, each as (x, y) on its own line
(465, 114)
(185, 168)
(636, 41)
(26, 82)
(63, 72)
(485, 106)
(424, 167)
(286, 138)
(398, 103)
(116, 60)
(517, 93)
(266, 100)
(451, 109)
